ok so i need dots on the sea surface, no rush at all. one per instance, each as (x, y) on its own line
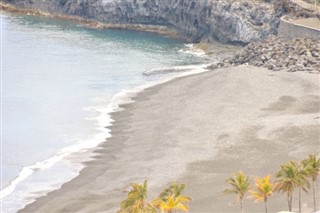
(59, 82)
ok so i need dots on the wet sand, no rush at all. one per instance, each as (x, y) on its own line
(198, 130)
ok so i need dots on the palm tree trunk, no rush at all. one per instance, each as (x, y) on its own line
(265, 206)
(314, 197)
(299, 200)
(288, 200)
(241, 206)
(289, 196)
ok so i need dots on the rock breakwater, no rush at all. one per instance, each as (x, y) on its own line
(302, 54)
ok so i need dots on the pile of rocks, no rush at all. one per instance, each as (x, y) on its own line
(301, 54)
(286, 7)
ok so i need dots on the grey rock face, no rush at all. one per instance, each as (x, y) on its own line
(232, 22)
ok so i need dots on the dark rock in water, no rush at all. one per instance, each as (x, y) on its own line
(226, 21)
(213, 66)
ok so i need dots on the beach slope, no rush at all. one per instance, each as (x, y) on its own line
(199, 130)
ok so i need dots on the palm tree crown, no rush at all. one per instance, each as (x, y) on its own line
(312, 165)
(171, 203)
(136, 200)
(171, 199)
(174, 189)
(239, 185)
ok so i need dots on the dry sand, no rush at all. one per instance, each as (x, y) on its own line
(309, 22)
(198, 130)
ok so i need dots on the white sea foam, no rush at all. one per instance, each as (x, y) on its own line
(103, 120)
(191, 49)
(166, 70)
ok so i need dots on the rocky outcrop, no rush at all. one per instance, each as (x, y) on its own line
(276, 54)
(222, 20)
(291, 7)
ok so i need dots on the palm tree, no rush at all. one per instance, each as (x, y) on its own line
(288, 179)
(264, 190)
(171, 199)
(240, 185)
(302, 181)
(136, 200)
(312, 167)
(172, 203)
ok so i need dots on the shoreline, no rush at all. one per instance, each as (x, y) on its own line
(117, 104)
(87, 156)
(214, 49)
(118, 100)
(138, 142)
(90, 23)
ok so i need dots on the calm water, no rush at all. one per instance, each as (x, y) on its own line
(58, 83)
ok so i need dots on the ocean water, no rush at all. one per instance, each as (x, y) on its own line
(59, 82)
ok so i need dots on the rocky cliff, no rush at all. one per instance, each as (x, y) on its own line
(222, 20)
